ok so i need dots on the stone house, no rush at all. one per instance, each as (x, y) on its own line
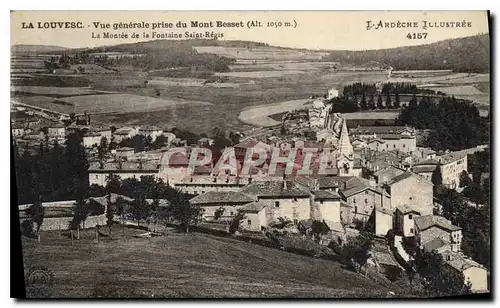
(227, 203)
(404, 220)
(430, 227)
(255, 216)
(288, 199)
(412, 190)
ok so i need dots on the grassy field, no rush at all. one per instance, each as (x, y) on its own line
(187, 265)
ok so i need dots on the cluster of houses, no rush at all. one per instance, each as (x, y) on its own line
(396, 193)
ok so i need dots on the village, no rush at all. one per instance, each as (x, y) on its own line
(378, 182)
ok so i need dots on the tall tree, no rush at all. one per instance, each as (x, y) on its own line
(183, 211)
(80, 214)
(36, 213)
(110, 212)
(437, 179)
(363, 104)
(371, 102)
(379, 102)
(397, 101)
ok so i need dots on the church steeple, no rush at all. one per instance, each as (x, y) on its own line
(344, 145)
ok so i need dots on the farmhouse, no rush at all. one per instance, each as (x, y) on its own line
(218, 205)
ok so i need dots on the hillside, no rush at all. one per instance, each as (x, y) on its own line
(468, 54)
(188, 266)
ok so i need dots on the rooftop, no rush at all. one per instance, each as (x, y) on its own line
(275, 189)
(255, 207)
(326, 195)
(406, 209)
(459, 261)
(221, 197)
(428, 221)
(435, 244)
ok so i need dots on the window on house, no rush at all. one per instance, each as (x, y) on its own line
(404, 145)
(321, 202)
(294, 199)
(355, 209)
(386, 146)
(195, 192)
(410, 217)
(354, 200)
(249, 222)
(276, 204)
(295, 221)
(411, 198)
(394, 146)
(366, 200)
(232, 213)
(411, 230)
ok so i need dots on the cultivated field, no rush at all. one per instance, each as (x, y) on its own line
(124, 102)
(187, 266)
(263, 76)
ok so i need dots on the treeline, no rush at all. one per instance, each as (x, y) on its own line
(454, 124)
(361, 88)
(348, 103)
(54, 173)
(469, 54)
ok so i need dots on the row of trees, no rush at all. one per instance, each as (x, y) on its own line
(454, 124)
(361, 88)
(347, 103)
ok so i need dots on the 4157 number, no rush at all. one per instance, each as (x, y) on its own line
(417, 36)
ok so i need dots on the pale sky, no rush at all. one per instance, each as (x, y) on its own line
(331, 30)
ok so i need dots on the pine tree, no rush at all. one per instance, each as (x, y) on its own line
(379, 102)
(371, 102)
(397, 101)
(363, 103)
(388, 102)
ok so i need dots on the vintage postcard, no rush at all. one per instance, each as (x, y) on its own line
(251, 154)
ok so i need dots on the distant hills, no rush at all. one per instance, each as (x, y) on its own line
(36, 48)
(468, 54)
